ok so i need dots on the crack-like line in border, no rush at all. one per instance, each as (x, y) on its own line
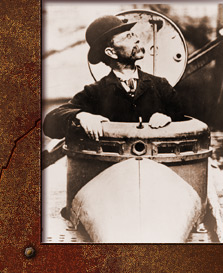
(13, 149)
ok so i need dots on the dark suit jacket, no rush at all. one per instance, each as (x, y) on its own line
(108, 98)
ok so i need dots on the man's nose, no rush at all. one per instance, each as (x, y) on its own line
(136, 38)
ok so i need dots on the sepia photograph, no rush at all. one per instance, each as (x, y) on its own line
(132, 123)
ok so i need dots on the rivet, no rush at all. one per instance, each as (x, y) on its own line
(29, 252)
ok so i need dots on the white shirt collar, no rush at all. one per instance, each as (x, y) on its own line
(126, 76)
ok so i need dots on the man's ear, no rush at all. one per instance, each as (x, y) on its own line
(109, 51)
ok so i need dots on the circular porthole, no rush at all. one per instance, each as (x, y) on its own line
(139, 148)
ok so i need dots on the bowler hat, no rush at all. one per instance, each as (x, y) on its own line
(99, 31)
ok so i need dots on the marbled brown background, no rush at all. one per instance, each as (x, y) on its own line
(20, 182)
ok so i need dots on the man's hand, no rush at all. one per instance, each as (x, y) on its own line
(92, 124)
(158, 120)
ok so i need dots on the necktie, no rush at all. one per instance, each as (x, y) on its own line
(131, 86)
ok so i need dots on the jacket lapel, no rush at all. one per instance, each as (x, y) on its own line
(111, 79)
(143, 83)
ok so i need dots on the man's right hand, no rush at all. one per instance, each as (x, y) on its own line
(92, 124)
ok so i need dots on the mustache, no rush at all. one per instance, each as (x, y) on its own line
(137, 49)
(130, 59)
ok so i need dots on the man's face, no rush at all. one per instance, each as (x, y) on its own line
(127, 47)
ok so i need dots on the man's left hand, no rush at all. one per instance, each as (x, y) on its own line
(158, 120)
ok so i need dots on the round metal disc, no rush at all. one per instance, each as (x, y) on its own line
(166, 50)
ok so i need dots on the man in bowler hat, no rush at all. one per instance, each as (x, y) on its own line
(125, 95)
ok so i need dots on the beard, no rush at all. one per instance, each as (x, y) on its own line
(137, 53)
